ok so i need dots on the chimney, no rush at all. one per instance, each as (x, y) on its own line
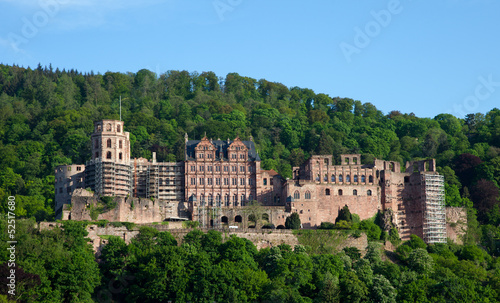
(154, 157)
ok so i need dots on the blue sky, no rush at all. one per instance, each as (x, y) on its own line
(425, 57)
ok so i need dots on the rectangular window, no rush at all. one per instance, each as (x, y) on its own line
(250, 181)
(193, 168)
(226, 181)
(234, 168)
(209, 181)
(217, 181)
(78, 168)
(242, 181)
(202, 168)
(193, 181)
(226, 168)
(242, 169)
(235, 181)
(217, 168)
(202, 181)
(209, 168)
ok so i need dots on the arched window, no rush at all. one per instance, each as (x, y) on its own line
(226, 199)
(96, 145)
(120, 156)
(235, 200)
(98, 128)
(317, 178)
(238, 219)
(370, 179)
(210, 199)
(108, 155)
(242, 199)
(354, 192)
(369, 192)
(363, 179)
(97, 155)
(224, 220)
(296, 195)
(325, 178)
(265, 181)
(108, 144)
(308, 195)
(333, 178)
(327, 191)
(348, 178)
(355, 178)
(160, 181)
(108, 127)
(118, 128)
(250, 197)
(340, 192)
(202, 199)
(341, 179)
(120, 144)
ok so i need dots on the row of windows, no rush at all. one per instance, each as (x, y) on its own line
(108, 143)
(109, 155)
(109, 128)
(218, 199)
(211, 156)
(346, 161)
(307, 195)
(234, 181)
(333, 178)
(264, 181)
(209, 168)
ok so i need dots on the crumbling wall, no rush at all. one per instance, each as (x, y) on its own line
(456, 223)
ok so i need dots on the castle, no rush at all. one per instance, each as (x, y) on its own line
(219, 180)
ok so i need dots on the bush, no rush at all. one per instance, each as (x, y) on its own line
(128, 225)
(356, 234)
(116, 224)
(293, 221)
(344, 215)
(373, 231)
(394, 237)
(326, 225)
(353, 253)
(342, 224)
(190, 224)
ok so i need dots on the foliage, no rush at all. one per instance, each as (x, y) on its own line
(344, 215)
(293, 221)
(190, 224)
(326, 225)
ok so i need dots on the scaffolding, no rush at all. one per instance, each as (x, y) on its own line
(434, 221)
(98, 177)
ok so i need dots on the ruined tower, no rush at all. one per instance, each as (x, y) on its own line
(108, 173)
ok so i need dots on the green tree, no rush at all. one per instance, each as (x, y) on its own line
(293, 221)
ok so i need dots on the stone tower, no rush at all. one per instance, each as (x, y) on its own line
(109, 171)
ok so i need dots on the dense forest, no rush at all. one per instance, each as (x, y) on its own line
(46, 118)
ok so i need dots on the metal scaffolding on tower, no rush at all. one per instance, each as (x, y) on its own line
(434, 223)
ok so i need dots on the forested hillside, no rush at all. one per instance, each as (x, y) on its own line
(46, 118)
